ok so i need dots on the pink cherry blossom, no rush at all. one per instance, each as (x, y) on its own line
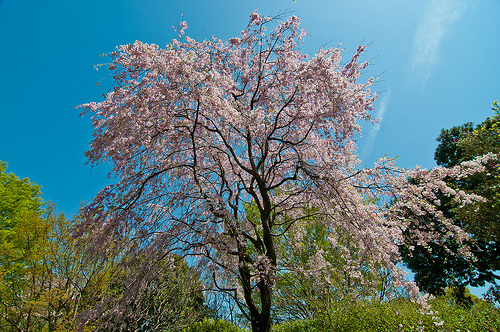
(199, 130)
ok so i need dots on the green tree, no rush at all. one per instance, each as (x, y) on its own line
(18, 198)
(448, 152)
(32, 296)
(44, 280)
(482, 218)
(438, 267)
(48, 282)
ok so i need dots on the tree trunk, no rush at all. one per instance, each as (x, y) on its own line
(265, 322)
(260, 319)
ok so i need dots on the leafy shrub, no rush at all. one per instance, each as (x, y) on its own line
(211, 325)
(480, 317)
(301, 326)
(400, 315)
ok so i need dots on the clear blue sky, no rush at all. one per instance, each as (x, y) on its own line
(437, 62)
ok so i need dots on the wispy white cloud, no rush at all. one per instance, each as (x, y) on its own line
(439, 16)
(370, 140)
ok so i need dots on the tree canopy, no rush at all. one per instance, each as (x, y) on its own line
(19, 197)
(444, 266)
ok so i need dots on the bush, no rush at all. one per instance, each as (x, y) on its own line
(480, 317)
(301, 326)
(211, 325)
(399, 315)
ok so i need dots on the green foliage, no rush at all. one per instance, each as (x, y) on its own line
(308, 325)
(465, 143)
(481, 316)
(210, 325)
(310, 286)
(448, 153)
(44, 281)
(28, 289)
(439, 268)
(400, 315)
(18, 199)
(48, 282)
(485, 137)
(482, 218)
